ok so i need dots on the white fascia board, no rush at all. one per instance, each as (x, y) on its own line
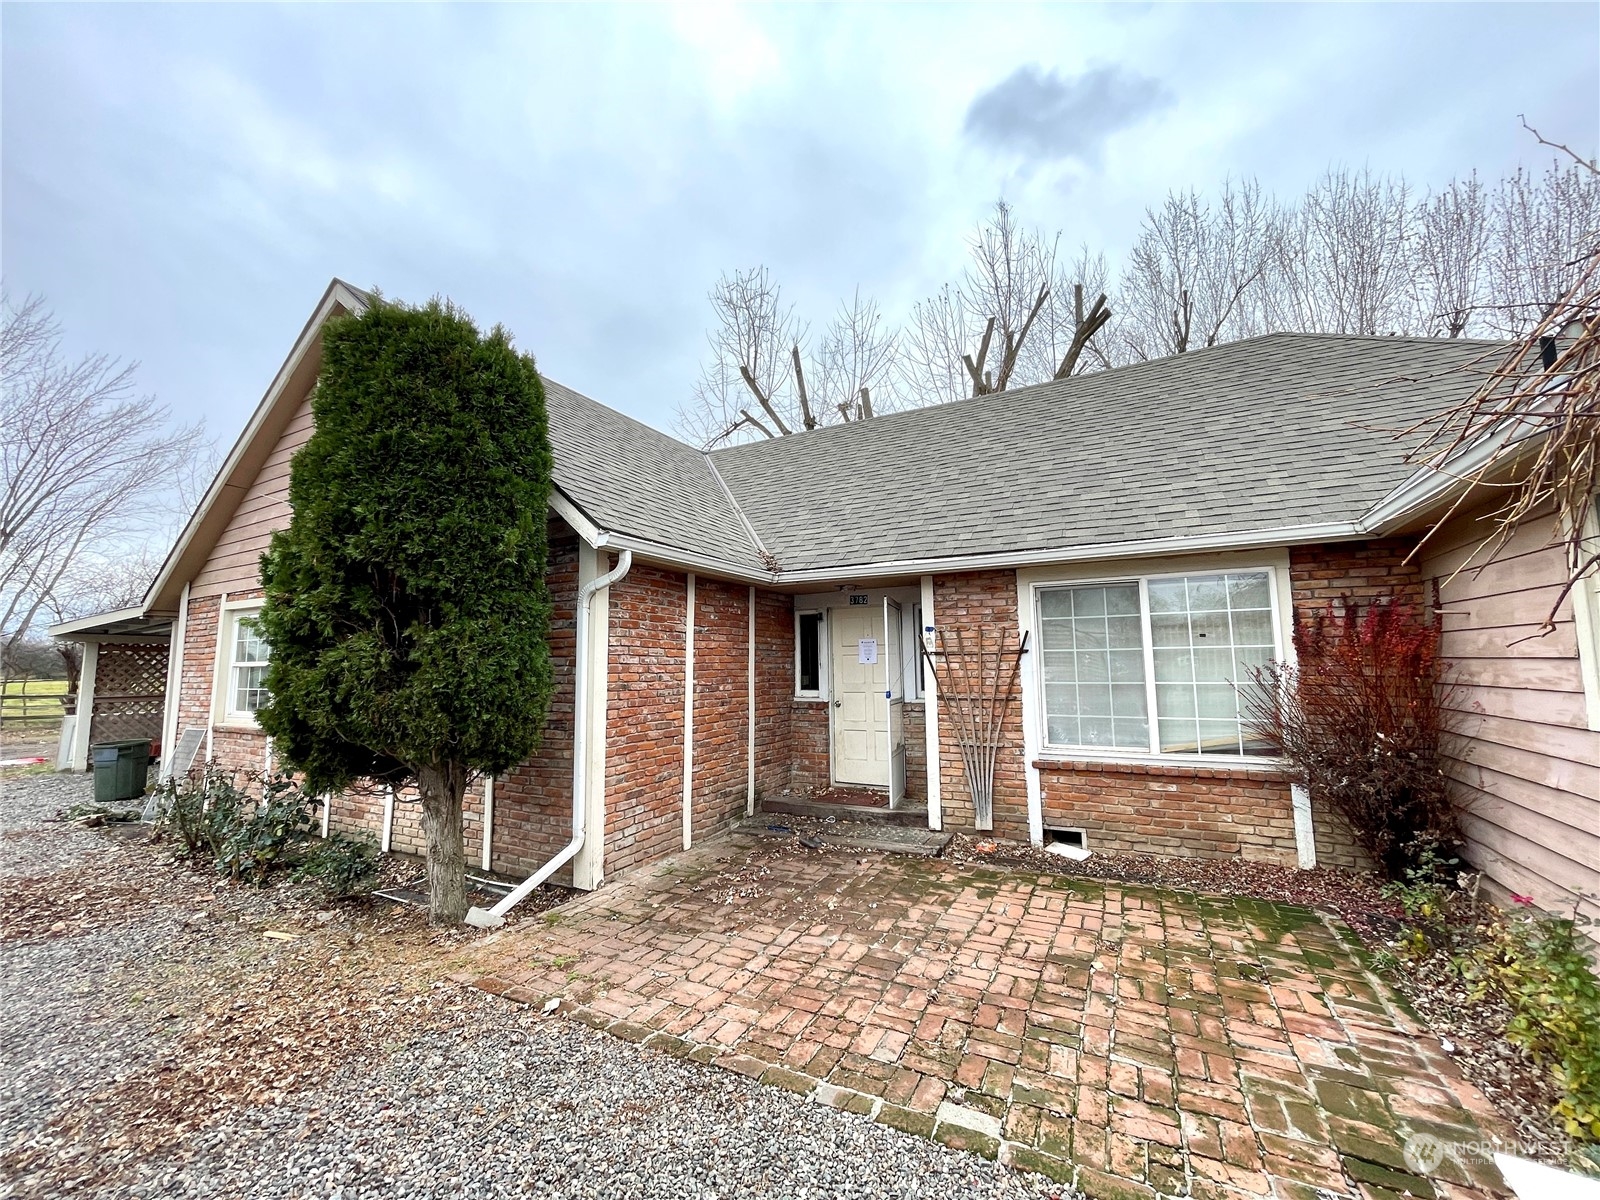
(1434, 483)
(573, 516)
(88, 624)
(339, 296)
(1150, 547)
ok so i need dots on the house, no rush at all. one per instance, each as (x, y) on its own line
(1134, 540)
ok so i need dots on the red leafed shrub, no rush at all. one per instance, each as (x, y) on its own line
(1361, 716)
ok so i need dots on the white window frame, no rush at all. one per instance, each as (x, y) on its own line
(1586, 620)
(823, 653)
(1153, 754)
(227, 637)
(911, 648)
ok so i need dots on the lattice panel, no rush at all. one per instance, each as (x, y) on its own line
(130, 684)
(131, 670)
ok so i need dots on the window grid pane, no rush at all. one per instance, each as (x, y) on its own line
(1203, 652)
(249, 667)
(1093, 664)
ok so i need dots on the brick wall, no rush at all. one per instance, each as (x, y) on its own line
(915, 727)
(644, 718)
(774, 690)
(1319, 576)
(533, 801)
(721, 703)
(533, 804)
(967, 603)
(808, 743)
(1203, 812)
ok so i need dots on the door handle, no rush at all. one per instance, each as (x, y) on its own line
(838, 703)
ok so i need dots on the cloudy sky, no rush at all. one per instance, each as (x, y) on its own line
(182, 180)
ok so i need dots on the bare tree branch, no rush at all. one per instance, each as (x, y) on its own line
(86, 464)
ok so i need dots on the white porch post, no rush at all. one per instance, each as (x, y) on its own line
(930, 711)
(174, 696)
(85, 714)
(1031, 708)
(688, 717)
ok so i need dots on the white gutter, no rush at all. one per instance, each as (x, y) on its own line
(494, 917)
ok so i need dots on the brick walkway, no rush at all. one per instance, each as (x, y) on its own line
(1135, 1040)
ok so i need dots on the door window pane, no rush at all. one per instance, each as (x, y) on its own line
(809, 632)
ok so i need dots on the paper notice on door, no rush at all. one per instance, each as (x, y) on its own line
(867, 650)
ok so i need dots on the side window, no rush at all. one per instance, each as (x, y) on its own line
(808, 654)
(245, 678)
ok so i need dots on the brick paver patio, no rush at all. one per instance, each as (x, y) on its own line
(1137, 1041)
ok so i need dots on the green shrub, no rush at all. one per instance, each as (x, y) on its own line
(243, 831)
(1543, 968)
(343, 866)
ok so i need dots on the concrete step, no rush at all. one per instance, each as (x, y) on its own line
(912, 817)
(878, 838)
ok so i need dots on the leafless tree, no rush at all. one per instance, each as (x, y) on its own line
(1196, 275)
(1343, 263)
(85, 462)
(1012, 319)
(1538, 228)
(1538, 410)
(752, 380)
(853, 375)
(1450, 257)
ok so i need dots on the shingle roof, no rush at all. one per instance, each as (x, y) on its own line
(633, 479)
(1274, 432)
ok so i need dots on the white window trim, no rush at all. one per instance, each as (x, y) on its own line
(911, 652)
(1037, 581)
(1586, 622)
(223, 715)
(819, 696)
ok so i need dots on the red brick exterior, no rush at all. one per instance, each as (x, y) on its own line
(809, 739)
(1320, 576)
(774, 691)
(1201, 812)
(965, 604)
(721, 704)
(644, 718)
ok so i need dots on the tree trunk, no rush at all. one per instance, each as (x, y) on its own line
(442, 787)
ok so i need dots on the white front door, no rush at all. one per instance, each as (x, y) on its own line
(860, 716)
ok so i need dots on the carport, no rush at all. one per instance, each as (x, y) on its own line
(122, 687)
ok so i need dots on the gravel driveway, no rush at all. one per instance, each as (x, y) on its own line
(155, 1042)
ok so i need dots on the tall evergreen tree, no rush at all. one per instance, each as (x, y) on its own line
(406, 605)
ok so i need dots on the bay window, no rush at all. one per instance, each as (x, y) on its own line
(1154, 665)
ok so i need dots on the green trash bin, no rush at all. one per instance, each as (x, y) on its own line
(120, 769)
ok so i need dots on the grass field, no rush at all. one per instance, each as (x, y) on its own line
(32, 701)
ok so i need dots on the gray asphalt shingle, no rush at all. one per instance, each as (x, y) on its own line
(1271, 433)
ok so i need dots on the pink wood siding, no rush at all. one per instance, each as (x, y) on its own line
(1526, 763)
(235, 562)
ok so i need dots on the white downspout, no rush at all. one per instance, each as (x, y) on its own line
(750, 713)
(488, 822)
(494, 917)
(688, 717)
